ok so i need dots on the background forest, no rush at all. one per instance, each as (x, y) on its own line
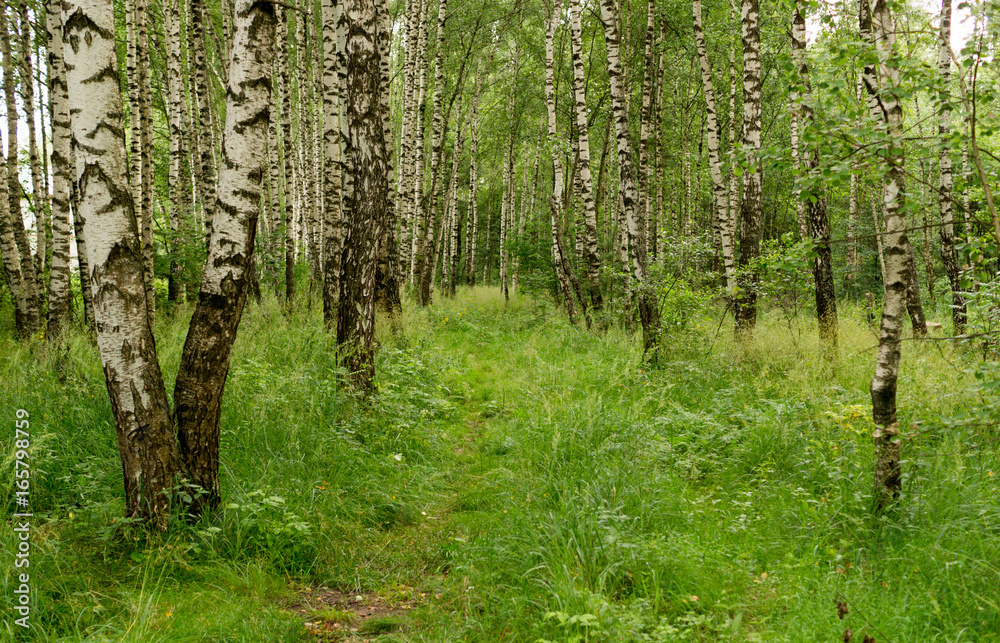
(521, 321)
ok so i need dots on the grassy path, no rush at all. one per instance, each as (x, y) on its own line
(518, 479)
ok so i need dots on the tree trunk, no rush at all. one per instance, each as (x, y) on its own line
(387, 268)
(826, 297)
(37, 195)
(125, 340)
(417, 179)
(30, 321)
(948, 255)
(751, 212)
(146, 151)
(11, 259)
(179, 172)
(369, 164)
(853, 207)
(715, 162)
(888, 473)
(427, 259)
(202, 90)
(555, 200)
(204, 366)
(285, 91)
(86, 291)
(645, 173)
(333, 227)
(591, 249)
(649, 312)
(61, 175)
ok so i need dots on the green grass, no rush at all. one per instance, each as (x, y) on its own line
(519, 479)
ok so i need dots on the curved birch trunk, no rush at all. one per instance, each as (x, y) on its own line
(201, 378)
(124, 338)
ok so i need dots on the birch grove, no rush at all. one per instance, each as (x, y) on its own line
(631, 169)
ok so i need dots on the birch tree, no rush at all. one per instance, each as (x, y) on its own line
(751, 210)
(146, 438)
(948, 255)
(332, 229)
(369, 163)
(61, 175)
(888, 473)
(714, 159)
(819, 225)
(591, 248)
(204, 366)
(28, 281)
(649, 313)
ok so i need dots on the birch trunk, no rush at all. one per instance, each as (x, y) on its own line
(285, 90)
(86, 291)
(591, 249)
(648, 308)
(733, 208)
(555, 199)
(417, 179)
(61, 175)
(819, 224)
(178, 177)
(751, 212)
(202, 90)
(387, 268)
(948, 255)
(645, 117)
(37, 195)
(472, 212)
(146, 439)
(714, 159)
(853, 208)
(333, 228)
(228, 270)
(426, 261)
(888, 472)
(28, 281)
(369, 164)
(12, 260)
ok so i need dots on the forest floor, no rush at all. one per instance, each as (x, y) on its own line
(519, 479)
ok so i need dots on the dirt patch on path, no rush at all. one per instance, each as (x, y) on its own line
(333, 615)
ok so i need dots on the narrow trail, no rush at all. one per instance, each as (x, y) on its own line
(423, 591)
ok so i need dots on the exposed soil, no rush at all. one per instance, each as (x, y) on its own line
(333, 615)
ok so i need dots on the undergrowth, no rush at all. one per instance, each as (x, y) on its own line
(520, 479)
